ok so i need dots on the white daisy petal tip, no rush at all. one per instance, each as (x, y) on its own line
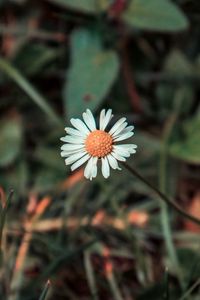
(85, 143)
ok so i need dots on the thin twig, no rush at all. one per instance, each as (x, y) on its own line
(32, 33)
(163, 196)
(133, 218)
(18, 273)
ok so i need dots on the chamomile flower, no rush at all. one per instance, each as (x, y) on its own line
(87, 143)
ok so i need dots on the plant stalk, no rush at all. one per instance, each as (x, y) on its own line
(162, 196)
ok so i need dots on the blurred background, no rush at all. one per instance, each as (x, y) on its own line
(69, 238)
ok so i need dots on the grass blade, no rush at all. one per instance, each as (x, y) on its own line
(166, 283)
(29, 89)
(45, 290)
(90, 275)
(190, 290)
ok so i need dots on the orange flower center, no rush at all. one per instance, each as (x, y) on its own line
(99, 143)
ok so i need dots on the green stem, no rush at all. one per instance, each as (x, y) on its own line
(165, 221)
(168, 201)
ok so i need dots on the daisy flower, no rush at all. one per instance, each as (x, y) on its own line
(87, 143)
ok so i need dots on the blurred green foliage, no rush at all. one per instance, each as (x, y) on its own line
(161, 15)
(92, 72)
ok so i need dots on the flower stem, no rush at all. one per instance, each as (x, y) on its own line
(167, 200)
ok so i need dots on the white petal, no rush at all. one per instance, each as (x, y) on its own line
(105, 167)
(88, 168)
(120, 128)
(123, 136)
(72, 139)
(93, 169)
(106, 117)
(117, 156)
(117, 124)
(125, 130)
(78, 124)
(71, 147)
(66, 153)
(128, 147)
(75, 132)
(121, 151)
(113, 162)
(89, 120)
(80, 162)
(101, 119)
(72, 158)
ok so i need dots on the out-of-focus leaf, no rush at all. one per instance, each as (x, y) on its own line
(172, 95)
(87, 6)
(16, 177)
(149, 147)
(188, 148)
(177, 63)
(91, 75)
(33, 57)
(190, 263)
(10, 140)
(50, 157)
(65, 258)
(161, 15)
(47, 178)
(156, 292)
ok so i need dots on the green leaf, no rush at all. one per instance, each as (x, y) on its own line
(87, 6)
(160, 15)
(93, 71)
(10, 140)
(188, 148)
